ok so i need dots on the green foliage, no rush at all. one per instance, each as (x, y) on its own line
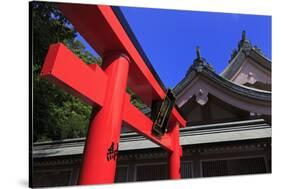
(135, 100)
(48, 26)
(79, 49)
(56, 114)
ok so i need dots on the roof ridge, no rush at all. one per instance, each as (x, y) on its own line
(243, 90)
(245, 47)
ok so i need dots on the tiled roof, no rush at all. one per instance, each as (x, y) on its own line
(245, 50)
(201, 67)
(200, 134)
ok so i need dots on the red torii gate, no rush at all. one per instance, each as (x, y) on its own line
(123, 66)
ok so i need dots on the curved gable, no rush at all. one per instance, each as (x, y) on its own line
(248, 66)
(202, 83)
(250, 73)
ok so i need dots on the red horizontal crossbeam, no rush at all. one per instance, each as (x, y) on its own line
(143, 125)
(61, 67)
(101, 28)
(89, 84)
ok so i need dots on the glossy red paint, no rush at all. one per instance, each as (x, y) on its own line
(109, 93)
(61, 67)
(106, 88)
(102, 30)
(105, 127)
(84, 86)
(174, 157)
(143, 125)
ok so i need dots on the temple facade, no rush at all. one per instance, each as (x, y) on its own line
(228, 130)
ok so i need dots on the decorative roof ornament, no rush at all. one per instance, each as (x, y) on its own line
(243, 35)
(201, 97)
(199, 63)
(198, 53)
(244, 43)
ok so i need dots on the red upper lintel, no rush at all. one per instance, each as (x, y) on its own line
(101, 28)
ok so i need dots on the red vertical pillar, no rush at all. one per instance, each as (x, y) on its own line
(100, 153)
(174, 157)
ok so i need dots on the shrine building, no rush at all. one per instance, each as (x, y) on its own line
(228, 130)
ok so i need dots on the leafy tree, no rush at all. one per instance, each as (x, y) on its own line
(56, 114)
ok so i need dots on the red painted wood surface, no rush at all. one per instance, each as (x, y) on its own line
(102, 30)
(69, 72)
(106, 88)
(89, 83)
(101, 149)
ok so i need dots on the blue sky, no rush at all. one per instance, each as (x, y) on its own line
(169, 37)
